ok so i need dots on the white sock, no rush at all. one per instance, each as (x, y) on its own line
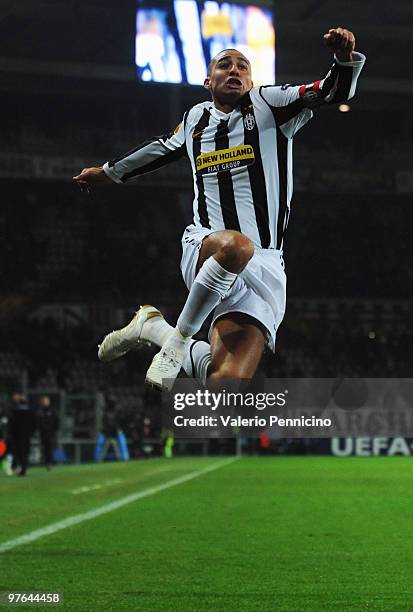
(210, 286)
(178, 342)
(197, 360)
(156, 330)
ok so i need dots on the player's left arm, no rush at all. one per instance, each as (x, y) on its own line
(340, 83)
(292, 105)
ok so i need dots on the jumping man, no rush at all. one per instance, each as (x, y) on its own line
(240, 149)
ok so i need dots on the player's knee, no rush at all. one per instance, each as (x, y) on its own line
(236, 251)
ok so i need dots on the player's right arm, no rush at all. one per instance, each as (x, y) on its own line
(147, 157)
(89, 177)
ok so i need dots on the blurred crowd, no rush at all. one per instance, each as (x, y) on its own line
(122, 244)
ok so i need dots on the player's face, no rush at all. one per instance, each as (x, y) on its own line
(230, 77)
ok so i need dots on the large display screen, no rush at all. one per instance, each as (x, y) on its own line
(176, 39)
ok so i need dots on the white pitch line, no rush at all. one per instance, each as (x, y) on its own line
(97, 485)
(108, 483)
(92, 514)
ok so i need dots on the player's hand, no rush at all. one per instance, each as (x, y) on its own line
(342, 42)
(89, 177)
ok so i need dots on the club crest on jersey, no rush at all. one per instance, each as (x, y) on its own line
(249, 121)
(224, 160)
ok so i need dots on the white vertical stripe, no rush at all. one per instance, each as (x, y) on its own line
(211, 186)
(268, 146)
(241, 182)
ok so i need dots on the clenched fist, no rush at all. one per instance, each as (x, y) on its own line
(342, 42)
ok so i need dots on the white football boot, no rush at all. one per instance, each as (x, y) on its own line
(167, 364)
(128, 338)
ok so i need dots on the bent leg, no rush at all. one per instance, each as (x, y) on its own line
(223, 255)
(237, 345)
(231, 249)
(237, 340)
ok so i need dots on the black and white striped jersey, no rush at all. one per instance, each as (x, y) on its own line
(242, 161)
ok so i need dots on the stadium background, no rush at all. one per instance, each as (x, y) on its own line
(75, 267)
(260, 533)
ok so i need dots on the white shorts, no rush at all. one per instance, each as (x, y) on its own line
(259, 291)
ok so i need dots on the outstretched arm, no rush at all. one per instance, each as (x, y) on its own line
(342, 42)
(340, 83)
(89, 177)
(291, 104)
(149, 156)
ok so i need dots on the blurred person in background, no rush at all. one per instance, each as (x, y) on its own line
(47, 423)
(133, 428)
(112, 436)
(22, 427)
(6, 456)
(168, 441)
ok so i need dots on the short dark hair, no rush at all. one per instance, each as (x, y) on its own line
(214, 60)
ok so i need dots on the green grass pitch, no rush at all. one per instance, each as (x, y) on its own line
(259, 534)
